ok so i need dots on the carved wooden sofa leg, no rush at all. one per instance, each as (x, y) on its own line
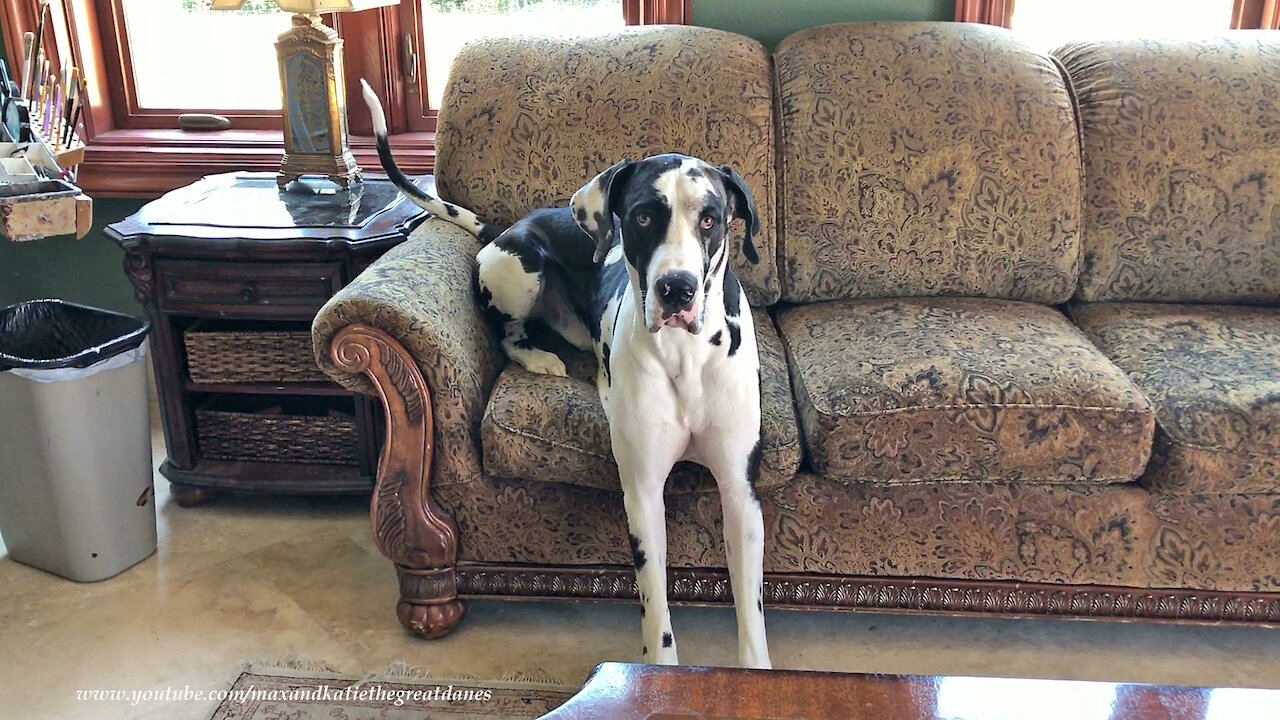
(408, 526)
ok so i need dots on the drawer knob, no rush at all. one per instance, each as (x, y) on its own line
(247, 294)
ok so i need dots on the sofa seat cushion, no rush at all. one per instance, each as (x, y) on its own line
(553, 429)
(960, 389)
(1212, 373)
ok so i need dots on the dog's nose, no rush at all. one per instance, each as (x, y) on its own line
(676, 289)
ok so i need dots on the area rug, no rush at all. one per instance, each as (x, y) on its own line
(400, 694)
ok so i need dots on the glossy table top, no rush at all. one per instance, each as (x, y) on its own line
(621, 691)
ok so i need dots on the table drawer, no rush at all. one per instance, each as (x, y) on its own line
(247, 288)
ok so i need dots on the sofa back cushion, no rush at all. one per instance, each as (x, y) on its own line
(1182, 168)
(527, 121)
(925, 159)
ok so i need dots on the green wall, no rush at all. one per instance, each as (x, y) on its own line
(771, 20)
(88, 271)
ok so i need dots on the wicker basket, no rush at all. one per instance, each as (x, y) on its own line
(250, 357)
(227, 435)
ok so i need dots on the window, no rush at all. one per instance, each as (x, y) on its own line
(184, 55)
(1046, 24)
(147, 61)
(450, 24)
(1051, 22)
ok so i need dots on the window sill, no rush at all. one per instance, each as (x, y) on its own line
(148, 163)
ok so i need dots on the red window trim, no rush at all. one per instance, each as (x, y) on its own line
(134, 153)
(987, 12)
(1255, 15)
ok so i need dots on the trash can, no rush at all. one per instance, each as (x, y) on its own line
(76, 496)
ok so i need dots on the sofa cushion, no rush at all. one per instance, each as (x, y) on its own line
(1182, 160)
(555, 430)
(1212, 373)
(526, 121)
(924, 159)
(960, 389)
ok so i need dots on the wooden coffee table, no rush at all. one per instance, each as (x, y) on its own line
(619, 691)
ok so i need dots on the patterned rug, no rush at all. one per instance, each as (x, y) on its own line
(278, 693)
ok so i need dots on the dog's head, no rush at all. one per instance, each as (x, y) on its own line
(673, 212)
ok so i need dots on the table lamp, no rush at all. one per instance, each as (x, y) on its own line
(313, 97)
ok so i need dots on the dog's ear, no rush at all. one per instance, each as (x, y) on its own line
(744, 208)
(594, 204)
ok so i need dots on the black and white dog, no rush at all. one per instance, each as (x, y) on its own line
(637, 269)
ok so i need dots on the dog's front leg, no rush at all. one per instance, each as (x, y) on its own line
(731, 460)
(642, 483)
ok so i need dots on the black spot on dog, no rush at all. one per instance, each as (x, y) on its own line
(641, 611)
(527, 247)
(753, 467)
(492, 315)
(760, 604)
(732, 294)
(735, 338)
(604, 357)
(715, 339)
(451, 209)
(637, 555)
(582, 214)
(667, 639)
(644, 650)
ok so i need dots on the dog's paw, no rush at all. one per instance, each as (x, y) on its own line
(544, 363)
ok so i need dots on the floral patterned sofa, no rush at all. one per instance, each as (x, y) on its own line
(984, 297)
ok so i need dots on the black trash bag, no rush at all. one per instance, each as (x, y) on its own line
(49, 334)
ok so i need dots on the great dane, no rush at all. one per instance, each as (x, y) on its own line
(636, 268)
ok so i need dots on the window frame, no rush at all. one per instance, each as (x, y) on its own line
(986, 12)
(1255, 15)
(140, 152)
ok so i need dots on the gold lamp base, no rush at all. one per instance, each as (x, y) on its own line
(314, 104)
(342, 169)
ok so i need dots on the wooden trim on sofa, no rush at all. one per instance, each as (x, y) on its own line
(408, 526)
(987, 12)
(877, 594)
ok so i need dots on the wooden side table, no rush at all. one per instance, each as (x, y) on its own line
(231, 271)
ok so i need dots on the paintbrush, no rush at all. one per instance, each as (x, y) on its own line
(28, 44)
(38, 53)
(48, 102)
(37, 79)
(70, 78)
(42, 100)
(82, 93)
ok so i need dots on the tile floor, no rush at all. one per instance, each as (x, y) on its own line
(253, 579)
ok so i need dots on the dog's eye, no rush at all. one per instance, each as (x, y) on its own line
(643, 219)
(708, 222)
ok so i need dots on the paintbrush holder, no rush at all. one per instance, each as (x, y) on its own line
(46, 208)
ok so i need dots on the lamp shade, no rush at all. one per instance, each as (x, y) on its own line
(310, 7)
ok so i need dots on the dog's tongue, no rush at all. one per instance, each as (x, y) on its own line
(682, 319)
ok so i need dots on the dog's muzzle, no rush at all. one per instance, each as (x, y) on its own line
(676, 291)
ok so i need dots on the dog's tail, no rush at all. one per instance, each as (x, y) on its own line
(459, 216)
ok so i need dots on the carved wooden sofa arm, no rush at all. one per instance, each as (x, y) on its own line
(408, 329)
